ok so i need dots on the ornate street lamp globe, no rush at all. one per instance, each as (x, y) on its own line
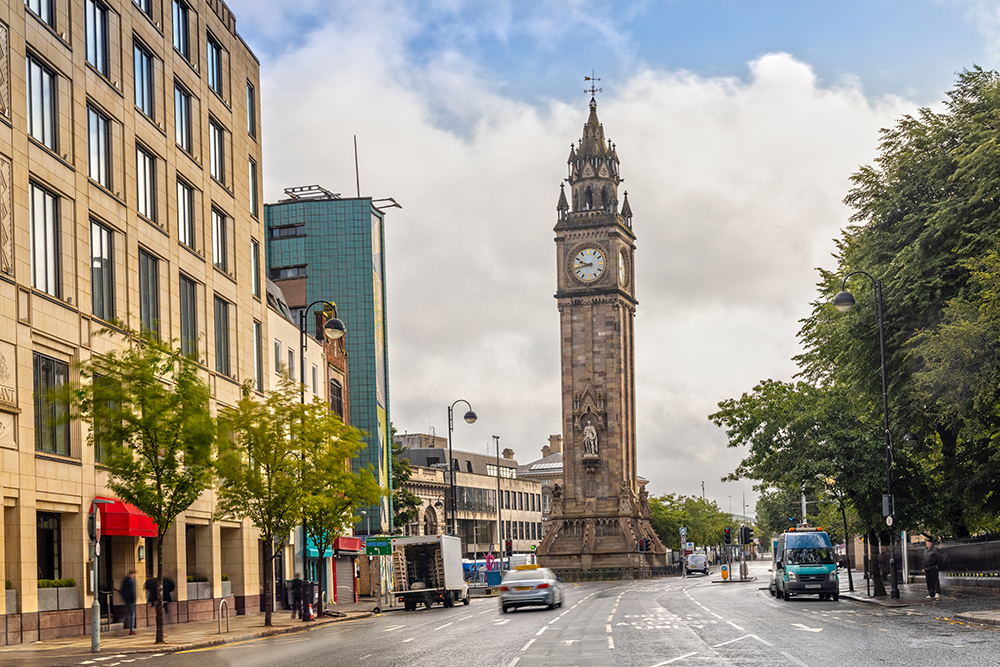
(334, 329)
(470, 417)
(843, 301)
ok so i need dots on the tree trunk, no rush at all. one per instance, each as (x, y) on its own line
(847, 546)
(159, 589)
(268, 581)
(320, 572)
(953, 500)
(875, 564)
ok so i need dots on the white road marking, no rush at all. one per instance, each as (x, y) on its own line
(611, 618)
(801, 626)
(570, 641)
(564, 613)
(794, 659)
(393, 627)
(680, 657)
(366, 656)
(441, 626)
(513, 662)
(465, 617)
(407, 640)
(611, 643)
(525, 647)
(485, 612)
(608, 626)
(736, 626)
(501, 622)
(544, 627)
(716, 615)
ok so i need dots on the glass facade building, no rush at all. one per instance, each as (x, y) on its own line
(327, 248)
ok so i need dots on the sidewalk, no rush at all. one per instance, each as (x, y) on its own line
(183, 636)
(915, 595)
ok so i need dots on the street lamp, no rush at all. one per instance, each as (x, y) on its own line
(843, 302)
(470, 418)
(95, 608)
(500, 535)
(333, 329)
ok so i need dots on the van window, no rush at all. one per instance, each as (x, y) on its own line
(809, 556)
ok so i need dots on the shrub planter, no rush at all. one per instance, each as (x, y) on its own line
(69, 598)
(227, 589)
(48, 599)
(10, 601)
(192, 590)
(204, 590)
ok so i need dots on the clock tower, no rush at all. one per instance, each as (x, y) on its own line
(599, 514)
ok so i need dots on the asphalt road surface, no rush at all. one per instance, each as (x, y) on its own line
(682, 622)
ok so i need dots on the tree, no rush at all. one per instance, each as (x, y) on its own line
(148, 409)
(703, 519)
(260, 470)
(332, 490)
(405, 504)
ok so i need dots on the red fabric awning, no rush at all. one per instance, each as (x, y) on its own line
(120, 518)
(349, 545)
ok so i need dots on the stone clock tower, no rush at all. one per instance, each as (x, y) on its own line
(600, 511)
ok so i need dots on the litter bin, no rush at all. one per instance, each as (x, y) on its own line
(308, 599)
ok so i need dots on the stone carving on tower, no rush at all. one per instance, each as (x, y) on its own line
(602, 503)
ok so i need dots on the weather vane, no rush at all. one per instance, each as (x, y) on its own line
(593, 82)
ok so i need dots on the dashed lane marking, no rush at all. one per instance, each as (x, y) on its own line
(736, 626)
(608, 626)
(364, 657)
(611, 643)
(441, 627)
(680, 657)
(407, 640)
(501, 621)
(393, 627)
(525, 647)
(544, 627)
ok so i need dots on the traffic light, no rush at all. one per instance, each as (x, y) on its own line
(749, 534)
(728, 536)
(509, 546)
(744, 537)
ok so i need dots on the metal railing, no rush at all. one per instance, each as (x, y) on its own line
(224, 604)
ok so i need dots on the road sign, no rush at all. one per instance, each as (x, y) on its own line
(684, 532)
(378, 546)
(725, 571)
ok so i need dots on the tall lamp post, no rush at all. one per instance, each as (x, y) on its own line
(500, 536)
(843, 302)
(95, 546)
(470, 418)
(332, 330)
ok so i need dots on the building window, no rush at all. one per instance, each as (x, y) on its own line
(251, 110)
(219, 258)
(42, 87)
(217, 151)
(98, 147)
(182, 118)
(291, 364)
(255, 266)
(145, 6)
(143, 79)
(181, 29)
(189, 317)
(145, 182)
(44, 212)
(149, 292)
(102, 272)
(258, 355)
(315, 380)
(51, 413)
(291, 230)
(337, 398)
(253, 188)
(221, 337)
(277, 356)
(96, 21)
(43, 9)
(48, 531)
(185, 214)
(213, 54)
(288, 272)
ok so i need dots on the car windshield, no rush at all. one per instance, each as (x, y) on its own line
(524, 575)
(810, 556)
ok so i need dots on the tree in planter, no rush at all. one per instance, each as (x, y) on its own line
(332, 490)
(148, 409)
(260, 470)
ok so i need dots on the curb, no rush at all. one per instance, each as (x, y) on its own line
(974, 617)
(263, 632)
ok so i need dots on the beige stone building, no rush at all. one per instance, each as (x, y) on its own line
(130, 162)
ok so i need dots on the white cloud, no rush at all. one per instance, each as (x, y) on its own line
(736, 187)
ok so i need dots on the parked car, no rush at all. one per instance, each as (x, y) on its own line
(697, 563)
(530, 585)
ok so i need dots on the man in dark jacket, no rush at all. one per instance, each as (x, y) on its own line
(128, 596)
(932, 563)
(296, 595)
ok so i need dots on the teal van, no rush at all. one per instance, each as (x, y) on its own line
(804, 563)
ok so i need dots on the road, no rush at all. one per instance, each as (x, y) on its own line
(682, 622)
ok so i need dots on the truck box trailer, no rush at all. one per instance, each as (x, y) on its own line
(428, 569)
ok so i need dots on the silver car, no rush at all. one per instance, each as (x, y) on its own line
(530, 585)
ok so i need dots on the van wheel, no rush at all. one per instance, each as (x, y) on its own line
(836, 597)
(788, 596)
(466, 600)
(449, 600)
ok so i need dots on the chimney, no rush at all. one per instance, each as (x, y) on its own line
(546, 450)
(508, 453)
(555, 443)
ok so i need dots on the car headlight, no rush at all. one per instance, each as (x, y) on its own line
(792, 576)
(833, 576)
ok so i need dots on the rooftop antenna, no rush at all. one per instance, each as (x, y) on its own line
(357, 172)
(593, 90)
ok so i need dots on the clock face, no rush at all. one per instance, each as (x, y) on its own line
(622, 268)
(589, 265)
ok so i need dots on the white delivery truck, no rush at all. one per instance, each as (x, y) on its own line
(428, 569)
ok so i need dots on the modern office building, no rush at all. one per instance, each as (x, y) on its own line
(321, 246)
(130, 162)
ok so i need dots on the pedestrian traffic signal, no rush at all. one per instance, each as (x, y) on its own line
(728, 536)
(509, 546)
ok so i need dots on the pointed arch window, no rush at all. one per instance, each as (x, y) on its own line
(604, 197)
(588, 198)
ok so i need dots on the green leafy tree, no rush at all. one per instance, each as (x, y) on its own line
(333, 492)
(405, 504)
(148, 408)
(260, 469)
(703, 519)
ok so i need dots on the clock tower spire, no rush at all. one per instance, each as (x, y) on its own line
(600, 513)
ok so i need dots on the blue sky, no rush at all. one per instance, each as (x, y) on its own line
(738, 125)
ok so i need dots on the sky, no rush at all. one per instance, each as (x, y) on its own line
(738, 124)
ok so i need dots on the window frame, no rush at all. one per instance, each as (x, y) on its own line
(223, 364)
(183, 119)
(43, 105)
(99, 159)
(181, 20)
(213, 64)
(145, 88)
(149, 292)
(255, 267)
(96, 25)
(220, 240)
(251, 110)
(45, 10)
(47, 407)
(254, 199)
(46, 275)
(145, 182)
(258, 354)
(187, 290)
(185, 214)
(102, 301)
(217, 151)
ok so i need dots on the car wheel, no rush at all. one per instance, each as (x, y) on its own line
(466, 600)
(503, 609)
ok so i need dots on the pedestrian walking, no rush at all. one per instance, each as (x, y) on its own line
(128, 596)
(932, 563)
(168, 594)
(296, 594)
